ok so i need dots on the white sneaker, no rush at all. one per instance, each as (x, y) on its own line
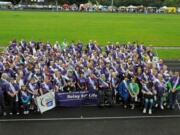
(132, 106)
(144, 110)
(150, 112)
(27, 112)
(10, 113)
(4, 113)
(125, 106)
(162, 107)
(156, 105)
(17, 113)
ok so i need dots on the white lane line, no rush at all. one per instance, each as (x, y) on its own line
(90, 118)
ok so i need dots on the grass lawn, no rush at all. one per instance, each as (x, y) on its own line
(152, 29)
(169, 54)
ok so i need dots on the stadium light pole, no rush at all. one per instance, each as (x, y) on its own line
(112, 2)
(56, 5)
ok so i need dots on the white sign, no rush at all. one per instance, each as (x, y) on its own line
(46, 102)
(155, 59)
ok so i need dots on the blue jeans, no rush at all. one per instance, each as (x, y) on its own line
(160, 98)
(148, 103)
(172, 98)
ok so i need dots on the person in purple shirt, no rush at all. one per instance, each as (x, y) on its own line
(104, 92)
(91, 82)
(46, 86)
(4, 87)
(13, 94)
(161, 89)
(82, 84)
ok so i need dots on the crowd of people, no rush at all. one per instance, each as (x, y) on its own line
(124, 73)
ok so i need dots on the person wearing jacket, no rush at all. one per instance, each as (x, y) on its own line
(123, 91)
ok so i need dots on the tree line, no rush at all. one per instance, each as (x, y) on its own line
(156, 3)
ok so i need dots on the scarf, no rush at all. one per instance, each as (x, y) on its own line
(13, 90)
(176, 83)
(92, 83)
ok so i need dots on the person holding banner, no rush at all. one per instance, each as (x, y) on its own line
(82, 86)
(92, 82)
(174, 88)
(69, 86)
(33, 89)
(46, 86)
(104, 92)
(133, 92)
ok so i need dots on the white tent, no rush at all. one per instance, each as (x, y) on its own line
(2, 3)
(74, 7)
(178, 10)
(132, 7)
(112, 8)
(5, 5)
(122, 8)
(163, 9)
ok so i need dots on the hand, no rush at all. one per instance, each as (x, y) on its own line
(35, 93)
(173, 90)
(16, 93)
(150, 93)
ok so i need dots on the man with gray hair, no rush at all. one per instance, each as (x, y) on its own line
(4, 86)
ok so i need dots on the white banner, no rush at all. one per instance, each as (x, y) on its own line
(46, 102)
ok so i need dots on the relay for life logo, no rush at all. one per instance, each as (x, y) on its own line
(47, 101)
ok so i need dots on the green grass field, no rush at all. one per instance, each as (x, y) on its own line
(152, 29)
